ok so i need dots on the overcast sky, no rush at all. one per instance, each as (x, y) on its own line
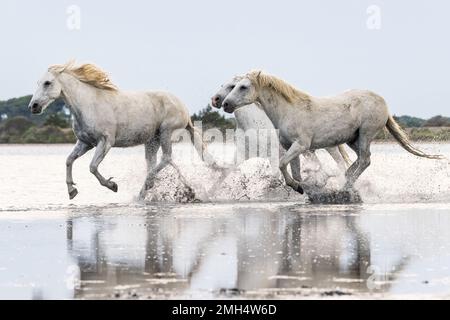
(190, 47)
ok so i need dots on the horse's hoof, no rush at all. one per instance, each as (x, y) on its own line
(190, 195)
(335, 197)
(73, 193)
(113, 186)
(299, 189)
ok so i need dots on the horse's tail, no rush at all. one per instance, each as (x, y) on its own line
(344, 155)
(402, 138)
(200, 145)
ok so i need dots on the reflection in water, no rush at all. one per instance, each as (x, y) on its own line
(253, 250)
(259, 251)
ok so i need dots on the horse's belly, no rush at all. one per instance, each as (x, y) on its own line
(330, 137)
(133, 138)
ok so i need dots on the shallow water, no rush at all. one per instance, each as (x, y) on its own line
(106, 245)
(33, 177)
(258, 250)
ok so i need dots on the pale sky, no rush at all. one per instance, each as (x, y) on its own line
(191, 47)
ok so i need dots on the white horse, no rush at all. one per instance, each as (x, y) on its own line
(105, 117)
(253, 117)
(309, 123)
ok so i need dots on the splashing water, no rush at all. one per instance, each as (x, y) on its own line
(34, 177)
(394, 177)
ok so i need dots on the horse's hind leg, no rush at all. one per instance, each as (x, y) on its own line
(151, 155)
(79, 150)
(102, 149)
(151, 152)
(166, 146)
(362, 163)
(355, 147)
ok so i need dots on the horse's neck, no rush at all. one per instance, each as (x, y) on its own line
(78, 96)
(277, 108)
(272, 105)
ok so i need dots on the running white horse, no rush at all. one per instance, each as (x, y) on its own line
(105, 117)
(253, 117)
(309, 123)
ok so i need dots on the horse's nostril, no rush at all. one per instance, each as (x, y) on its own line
(216, 99)
(226, 104)
(35, 107)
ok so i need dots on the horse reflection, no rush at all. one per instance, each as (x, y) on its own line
(257, 252)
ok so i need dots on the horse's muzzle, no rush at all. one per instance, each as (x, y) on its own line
(228, 107)
(35, 108)
(215, 102)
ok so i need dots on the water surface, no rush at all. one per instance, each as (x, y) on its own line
(106, 245)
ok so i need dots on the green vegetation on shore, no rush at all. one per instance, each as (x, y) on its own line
(435, 129)
(18, 125)
(213, 119)
(21, 130)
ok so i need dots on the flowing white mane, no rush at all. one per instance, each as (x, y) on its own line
(263, 80)
(87, 73)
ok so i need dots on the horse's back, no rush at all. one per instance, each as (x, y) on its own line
(373, 107)
(157, 104)
(366, 99)
(346, 114)
(356, 103)
(147, 112)
(175, 111)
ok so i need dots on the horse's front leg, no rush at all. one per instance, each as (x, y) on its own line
(103, 147)
(79, 150)
(294, 151)
(295, 163)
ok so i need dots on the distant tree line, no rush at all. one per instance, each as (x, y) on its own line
(18, 107)
(213, 119)
(18, 125)
(413, 122)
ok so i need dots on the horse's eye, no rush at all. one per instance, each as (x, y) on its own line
(232, 87)
(47, 83)
(242, 88)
